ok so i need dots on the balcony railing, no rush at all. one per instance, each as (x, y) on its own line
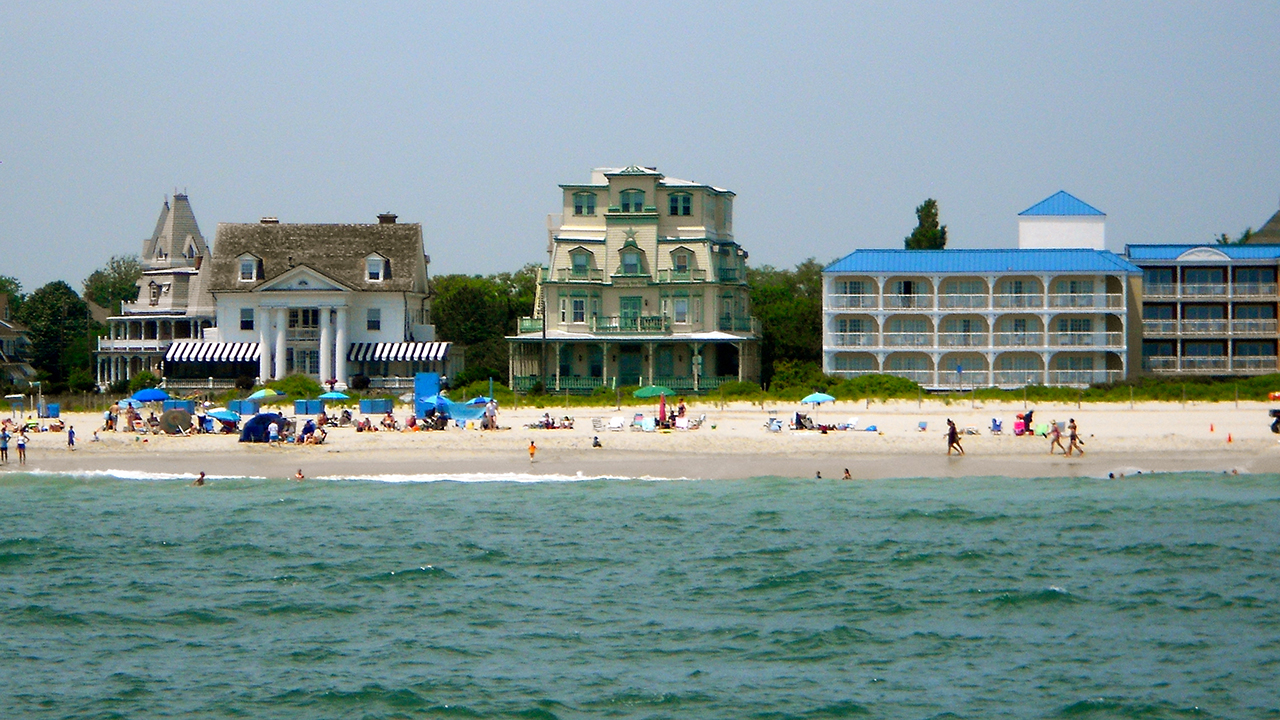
(730, 275)
(1087, 339)
(951, 378)
(583, 275)
(849, 339)
(647, 324)
(1018, 339)
(305, 334)
(1254, 363)
(1204, 363)
(848, 302)
(192, 384)
(924, 377)
(1160, 362)
(1084, 377)
(682, 276)
(1019, 378)
(134, 345)
(1090, 300)
(1204, 327)
(1254, 290)
(530, 325)
(1160, 290)
(1006, 300)
(893, 302)
(1204, 290)
(961, 339)
(962, 301)
(1258, 326)
(739, 324)
(1159, 327)
(908, 339)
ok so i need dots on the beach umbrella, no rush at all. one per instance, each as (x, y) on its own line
(479, 400)
(150, 395)
(649, 391)
(174, 422)
(266, 394)
(333, 395)
(225, 415)
(129, 403)
(817, 399)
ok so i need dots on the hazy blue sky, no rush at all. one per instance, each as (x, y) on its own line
(831, 121)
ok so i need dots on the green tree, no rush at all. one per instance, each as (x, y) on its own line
(928, 235)
(788, 304)
(13, 288)
(59, 326)
(1224, 239)
(474, 312)
(115, 283)
(143, 380)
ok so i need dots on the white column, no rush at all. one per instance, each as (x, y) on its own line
(261, 317)
(281, 341)
(326, 346)
(340, 348)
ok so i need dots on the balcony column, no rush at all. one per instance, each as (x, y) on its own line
(326, 345)
(558, 348)
(340, 347)
(604, 364)
(650, 349)
(281, 342)
(264, 343)
(695, 363)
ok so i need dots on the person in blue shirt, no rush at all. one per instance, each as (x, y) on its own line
(4, 445)
(71, 437)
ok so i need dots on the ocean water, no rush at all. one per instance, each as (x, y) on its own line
(1148, 597)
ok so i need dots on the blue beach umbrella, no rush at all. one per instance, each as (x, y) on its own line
(150, 395)
(130, 403)
(479, 400)
(226, 415)
(817, 399)
(266, 394)
(333, 395)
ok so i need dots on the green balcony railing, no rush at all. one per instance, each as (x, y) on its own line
(530, 325)
(682, 276)
(648, 324)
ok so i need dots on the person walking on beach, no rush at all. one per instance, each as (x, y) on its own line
(953, 438)
(22, 446)
(1073, 435)
(533, 450)
(1055, 437)
(4, 445)
(71, 437)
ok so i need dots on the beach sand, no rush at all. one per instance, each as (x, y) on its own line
(733, 443)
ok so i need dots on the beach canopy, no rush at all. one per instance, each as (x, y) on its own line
(817, 399)
(265, 394)
(130, 403)
(226, 415)
(150, 395)
(255, 430)
(649, 391)
(333, 395)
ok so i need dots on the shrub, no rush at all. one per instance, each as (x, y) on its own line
(143, 380)
(244, 382)
(739, 389)
(359, 382)
(297, 387)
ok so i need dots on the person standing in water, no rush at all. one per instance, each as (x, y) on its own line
(299, 476)
(200, 480)
(953, 437)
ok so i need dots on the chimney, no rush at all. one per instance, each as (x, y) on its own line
(387, 218)
(266, 220)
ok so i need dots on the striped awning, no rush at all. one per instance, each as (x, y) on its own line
(196, 351)
(398, 352)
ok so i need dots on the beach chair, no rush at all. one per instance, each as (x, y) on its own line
(617, 424)
(851, 425)
(997, 427)
(597, 424)
(637, 422)
(682, 423)
(924, 426)
(648, 425)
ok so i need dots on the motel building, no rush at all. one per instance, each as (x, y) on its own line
(645, 285)
(1058, 310)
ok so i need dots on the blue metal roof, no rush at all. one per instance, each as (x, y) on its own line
(1172, 252)
(972, 262)
(1062, 203)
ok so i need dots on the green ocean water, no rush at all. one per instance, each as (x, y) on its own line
(1150, 597)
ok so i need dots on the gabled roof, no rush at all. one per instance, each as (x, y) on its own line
(173, 228)
(1168, 251)
(1062, 204)
(337, 251)
(969, 262)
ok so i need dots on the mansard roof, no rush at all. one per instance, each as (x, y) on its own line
(337, 251)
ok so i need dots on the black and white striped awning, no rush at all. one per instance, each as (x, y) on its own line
(196, 351)
(398, 352)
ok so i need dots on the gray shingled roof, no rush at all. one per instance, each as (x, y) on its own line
(338, 251)
(175, 225)
(1268, 234)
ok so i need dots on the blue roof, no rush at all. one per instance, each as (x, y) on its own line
(1172, 252)
(969, 262)
(1062, 203)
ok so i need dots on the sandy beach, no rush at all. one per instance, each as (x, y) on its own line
(733, 443)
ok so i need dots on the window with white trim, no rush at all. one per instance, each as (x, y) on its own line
(579, 310)
(375, 268)
(373, 319)
(246, 318)
(248, 268)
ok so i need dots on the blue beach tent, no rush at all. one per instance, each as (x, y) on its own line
(255, 429)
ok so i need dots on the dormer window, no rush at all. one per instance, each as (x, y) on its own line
(191, 252)
(631, 263)
(154, 289)
(681, 204)
(681, 262)
(250, 268)
(581, 263)
(632, 200)
(584, 203)
(376, 268)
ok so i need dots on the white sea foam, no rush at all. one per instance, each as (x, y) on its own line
(138, 475)
(488, 477)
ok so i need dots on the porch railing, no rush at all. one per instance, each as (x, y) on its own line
(652, 324)
(853, 302)
(682, 276)
(851, 339)
(963, 301)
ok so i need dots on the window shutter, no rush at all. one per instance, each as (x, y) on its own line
(386, 269)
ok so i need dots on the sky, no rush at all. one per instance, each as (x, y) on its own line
(831, 121)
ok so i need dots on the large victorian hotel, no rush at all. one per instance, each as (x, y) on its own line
(645, 284)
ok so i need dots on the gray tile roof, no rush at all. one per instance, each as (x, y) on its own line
(175, 225)
(338, 251)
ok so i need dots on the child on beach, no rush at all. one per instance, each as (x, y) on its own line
(533, 450)
(22, 446)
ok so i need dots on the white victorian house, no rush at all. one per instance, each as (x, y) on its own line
(328, 301)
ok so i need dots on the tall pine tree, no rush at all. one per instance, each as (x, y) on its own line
(928, 235)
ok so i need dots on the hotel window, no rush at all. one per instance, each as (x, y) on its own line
(850, 325)
(681, 204)
(579, 310)
(1157, 312)
(584, 203)
(1204, 276)
(1075, 325)
(1255, 275)
(1157, 276)
(1203, 312)
(248, 269)
(1075, 287)
(1255, 348)
(304, 318)
(246, 318)
(1256, 312)
(632, 200)
(851, 287)
(682, 310)
(376, 269)
(373, 319)
(630, 263)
